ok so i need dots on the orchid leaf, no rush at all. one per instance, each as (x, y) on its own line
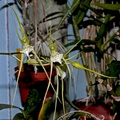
(108, 6)
(5, 106)
(19, 116)
(45, 110)
(92, 9)
(74, 4)
(78, 114)
(112, 38)
(76, 29)
(118, 91)
(52, 16)
(113, 69)
(102, 30)
(82, 12)
(68, 11)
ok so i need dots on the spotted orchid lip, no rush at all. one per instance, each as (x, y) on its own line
(27, 49)
(56, 57)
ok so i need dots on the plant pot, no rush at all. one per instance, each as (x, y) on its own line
(97, 109)
(24, 91)
(29, 79)
(41, 76)
(23, 85)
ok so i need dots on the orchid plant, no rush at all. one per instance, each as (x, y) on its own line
(56, 60)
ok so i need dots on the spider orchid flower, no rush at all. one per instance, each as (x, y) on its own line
(56, 57)
(27, 49)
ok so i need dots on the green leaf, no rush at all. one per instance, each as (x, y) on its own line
(74, 4)
(68, 12)
(5, 106)
(82, 12)
(71, 43)
(45, 110)
(102, 31)
(92, 9)
(85, 23)
(19, 116)
(114, 69)
(112, 38)
(108, 6)
(52, 16)
(118, 91)
(75, 29)
(78, 114)
(32, 101)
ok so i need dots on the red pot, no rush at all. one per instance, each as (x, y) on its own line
(49, 94)
(41, 76)
(23, 85)
(29, 78)
(24, 91)
(96, 110)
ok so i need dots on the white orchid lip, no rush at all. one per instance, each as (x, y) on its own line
(61, 73)
(56, 57)
(27, 49)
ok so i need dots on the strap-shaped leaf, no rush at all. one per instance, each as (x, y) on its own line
(6, 106)
(82, 12)
(108, 6)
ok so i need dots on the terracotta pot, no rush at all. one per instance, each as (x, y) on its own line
(97, 110)
(23, 85)
(49, 94)
(28, 79)
(24, 91)
(41, 76)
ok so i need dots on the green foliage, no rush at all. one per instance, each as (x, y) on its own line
(78, 114)
(108, 6)
(82, 10)
(19, 116)
(32, 101)
(118, 91)
(5, 106)
(113, 69)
